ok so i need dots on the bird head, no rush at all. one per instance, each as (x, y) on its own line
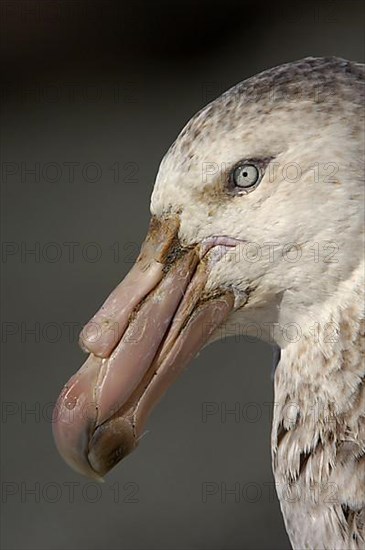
(256, 220)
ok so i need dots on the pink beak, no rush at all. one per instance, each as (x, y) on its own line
(150, 327)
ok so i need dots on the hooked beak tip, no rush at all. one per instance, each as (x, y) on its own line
(91, 451)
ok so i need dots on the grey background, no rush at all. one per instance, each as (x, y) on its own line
(104, 84)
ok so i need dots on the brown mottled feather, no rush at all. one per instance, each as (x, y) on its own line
(319, 445)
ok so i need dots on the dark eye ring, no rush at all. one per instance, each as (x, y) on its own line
(245, 176)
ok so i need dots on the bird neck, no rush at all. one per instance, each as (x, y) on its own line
(318, 436)
(318, 379)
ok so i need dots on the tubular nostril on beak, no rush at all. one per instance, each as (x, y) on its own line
(160, 249)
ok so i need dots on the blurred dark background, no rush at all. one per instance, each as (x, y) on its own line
(92, 94)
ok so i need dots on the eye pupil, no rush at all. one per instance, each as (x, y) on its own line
(245, 176)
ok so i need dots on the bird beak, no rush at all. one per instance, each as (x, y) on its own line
(150, 327)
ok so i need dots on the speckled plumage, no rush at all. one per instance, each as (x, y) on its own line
(318, 436)
(310, 113)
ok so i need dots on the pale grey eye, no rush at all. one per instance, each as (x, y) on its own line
(245, 176)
